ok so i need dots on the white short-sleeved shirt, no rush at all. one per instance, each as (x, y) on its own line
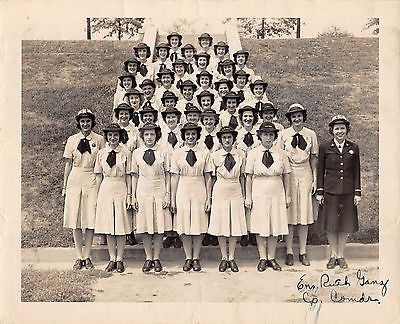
(158, 168)
(255, 166)
(122, 165)
(297, 155)
(133, 135)
(180, 166)
(164, 138)
(217, 164)
(225, 117)
(85, 160)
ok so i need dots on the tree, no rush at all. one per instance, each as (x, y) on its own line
(119, 27)
(372, 23)
(335, 32)
(266, 27)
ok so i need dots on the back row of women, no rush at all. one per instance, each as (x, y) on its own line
(220, 164)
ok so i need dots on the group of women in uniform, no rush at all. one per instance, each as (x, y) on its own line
(194, 147)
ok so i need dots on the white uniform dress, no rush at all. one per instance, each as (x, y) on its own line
(112, 217)
(227, 209)
(301, 208)
(268, 214)
(81, 195)
(150, 193)
(191, 219)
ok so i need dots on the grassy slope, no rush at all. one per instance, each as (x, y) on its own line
(330, 76)
(59, 78)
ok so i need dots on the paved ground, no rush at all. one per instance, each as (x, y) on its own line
(209, 285)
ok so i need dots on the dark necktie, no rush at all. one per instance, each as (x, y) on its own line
(172, 139)
(219, 68)
(149, 157)
(209, 141)
(162, 67)
(233, 123)
(191, 158)
(188, 104)
(241, 95)
(229, 162)
(179, 83)
(143, 70)
(135, 119)
(84, 146)
(111, 158)
(258, 105)
(173, 56)
(248, 139)
(147, 104)
(299, 141)
(190, 69)
(267, 159)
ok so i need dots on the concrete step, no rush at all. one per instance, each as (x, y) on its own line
(100, 252)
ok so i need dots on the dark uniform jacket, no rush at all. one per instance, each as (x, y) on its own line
(338, 173)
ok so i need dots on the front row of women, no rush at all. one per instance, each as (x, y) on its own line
(104, 183)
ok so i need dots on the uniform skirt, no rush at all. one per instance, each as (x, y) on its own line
(112, 217)
(268, 214)
(301, 208)
(151, 217)
(338, 214)
(80, 199)
(191, 219)
(227, 210)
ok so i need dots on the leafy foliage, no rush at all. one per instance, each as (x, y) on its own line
(374, 24)
(335, 32)
(120, 27)
(261, 28)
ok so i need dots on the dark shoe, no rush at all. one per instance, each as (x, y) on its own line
(281, 238)
(88, 264)
(223, 266)
(262, 265)
(177, 242)
(232, 264)
(196, 265)
(289, 259)
(112, 265)
(168, 242)
(304, 260)
(130, 239)
(244, 241)
(206, 240)
(157, 265)
(214, 240)
(79, 264)
(342, 263)
(331, 263)
(274, 265)
(120, 267)
(188, 265)
(252, 239)
(147, 266)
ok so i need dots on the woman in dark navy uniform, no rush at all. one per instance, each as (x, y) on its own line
(339, 190)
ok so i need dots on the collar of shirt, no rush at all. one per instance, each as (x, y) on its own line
(338, 144)
(187, 148)
(109, 149)
(243, 131)
(225, 153)
(272, 149)
(228, 114)
(213, 133)
(292, 130)
(89, 137)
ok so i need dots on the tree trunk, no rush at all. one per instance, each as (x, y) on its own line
(119, 28)
(298, 28)
(262, 28)
(88, 29)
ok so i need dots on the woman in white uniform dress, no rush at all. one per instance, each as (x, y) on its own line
(79, 186)
(228, 220)
(189, 197)
(267, 194)
(151, 194)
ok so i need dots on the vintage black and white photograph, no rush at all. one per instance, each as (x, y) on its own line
(172, 159)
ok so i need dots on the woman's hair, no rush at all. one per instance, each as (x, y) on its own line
(347, 128)
(255, 115)
(289, 117)
(78, 125)
(158, 133)
(198, 131)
